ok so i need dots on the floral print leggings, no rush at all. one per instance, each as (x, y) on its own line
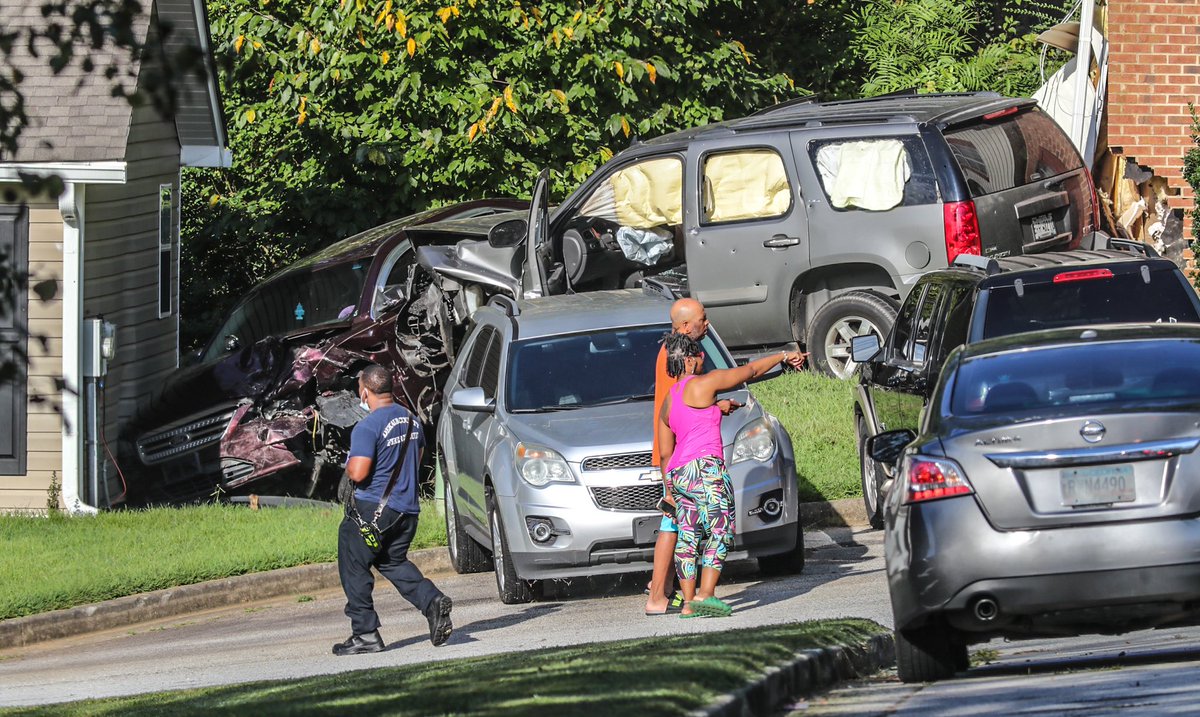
(704, 512)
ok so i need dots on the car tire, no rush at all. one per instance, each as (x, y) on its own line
(855, 313)
(789, 563)
(869, 471)
(929, 653)
(466, 556)
(512, 589)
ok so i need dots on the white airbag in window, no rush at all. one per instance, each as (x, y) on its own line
(867, 175)
(745, 185)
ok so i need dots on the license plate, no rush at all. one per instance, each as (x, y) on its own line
(645, 529)
(1097, 486)
(1043, 226)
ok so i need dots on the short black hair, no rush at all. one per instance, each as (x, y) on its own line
(679, 347)
(376, 379)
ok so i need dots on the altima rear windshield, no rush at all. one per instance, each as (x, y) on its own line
(587, 369)
(1122, 298)
(1084, 375)
(1009, 152)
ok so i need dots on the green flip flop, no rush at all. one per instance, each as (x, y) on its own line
(711, 607)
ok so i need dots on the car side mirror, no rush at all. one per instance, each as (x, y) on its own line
(864, 349)
(508, 234)
(887, 447)
(472, 399)
(232, 343)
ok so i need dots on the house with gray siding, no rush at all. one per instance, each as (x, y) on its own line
(110, 241)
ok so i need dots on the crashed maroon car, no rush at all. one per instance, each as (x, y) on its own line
(268, 404)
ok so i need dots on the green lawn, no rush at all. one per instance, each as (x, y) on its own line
(658, 676)
(57, 562)
(818, 412)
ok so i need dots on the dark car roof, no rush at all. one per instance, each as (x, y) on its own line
(946, 108)
(1035, 267)
(1079, 335)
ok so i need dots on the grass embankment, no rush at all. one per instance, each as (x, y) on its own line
(53, 563)
(654, 676)
(818, 412)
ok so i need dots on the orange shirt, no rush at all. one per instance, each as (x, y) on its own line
(662, 385)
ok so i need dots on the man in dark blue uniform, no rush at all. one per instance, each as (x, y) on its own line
(375, 447)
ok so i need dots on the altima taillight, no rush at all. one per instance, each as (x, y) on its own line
(962, 229)
(933, 478)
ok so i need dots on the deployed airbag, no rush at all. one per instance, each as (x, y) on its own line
(867, 175)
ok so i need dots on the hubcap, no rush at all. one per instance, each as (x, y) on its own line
(837, 343)
(451, 524)
(497, 551)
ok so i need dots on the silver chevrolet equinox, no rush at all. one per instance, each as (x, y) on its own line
(545, 445)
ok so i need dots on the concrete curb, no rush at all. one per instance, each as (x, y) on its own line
(848, 512)
(185, 599)
(810, 670)
(172, 602)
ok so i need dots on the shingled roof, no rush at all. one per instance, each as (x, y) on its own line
(73, 115)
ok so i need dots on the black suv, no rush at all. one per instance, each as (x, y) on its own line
(807, 221)
(980, 298)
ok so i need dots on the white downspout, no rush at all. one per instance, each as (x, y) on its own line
(70, 205)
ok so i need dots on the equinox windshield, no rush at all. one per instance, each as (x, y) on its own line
(298, 300)
(565, 372)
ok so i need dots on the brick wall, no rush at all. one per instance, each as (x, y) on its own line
(1153, 72)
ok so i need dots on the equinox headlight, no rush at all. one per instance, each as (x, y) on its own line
(539, 465)
(755, 442)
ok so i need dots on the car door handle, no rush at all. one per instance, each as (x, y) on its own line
(781, 240)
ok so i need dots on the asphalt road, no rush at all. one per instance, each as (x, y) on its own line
(292, 637)
(1143, 673)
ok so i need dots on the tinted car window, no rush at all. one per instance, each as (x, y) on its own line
(1091, 375)
(957, 319)
(995, 156)
(903, 329)
(489, 375)
(927, 314)
(1115, 299)
(301, 299)
(920, 188)
(470, 377)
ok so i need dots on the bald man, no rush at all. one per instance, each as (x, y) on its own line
(687, 317)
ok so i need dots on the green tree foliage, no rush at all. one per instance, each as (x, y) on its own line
(950, 46)
(1191, 174)
(346, 113)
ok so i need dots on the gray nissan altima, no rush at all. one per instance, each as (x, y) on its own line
(1053, 489)
(545, 444)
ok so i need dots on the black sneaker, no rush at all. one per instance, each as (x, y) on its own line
(440, 626)
(358, 644)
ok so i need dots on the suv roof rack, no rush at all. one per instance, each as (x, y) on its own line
(973, 261)
(506, 304)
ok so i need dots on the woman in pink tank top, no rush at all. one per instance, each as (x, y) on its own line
(693, 462)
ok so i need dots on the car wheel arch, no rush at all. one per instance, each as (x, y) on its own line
(818, 285)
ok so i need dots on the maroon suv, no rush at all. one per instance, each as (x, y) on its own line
(269, 402)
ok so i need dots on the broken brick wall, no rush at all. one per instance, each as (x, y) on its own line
(1153, 73)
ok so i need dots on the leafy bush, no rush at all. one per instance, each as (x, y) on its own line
(945, 46)
(1191, 174)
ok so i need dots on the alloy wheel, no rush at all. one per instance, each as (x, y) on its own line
(837, 343)
(498, 552)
